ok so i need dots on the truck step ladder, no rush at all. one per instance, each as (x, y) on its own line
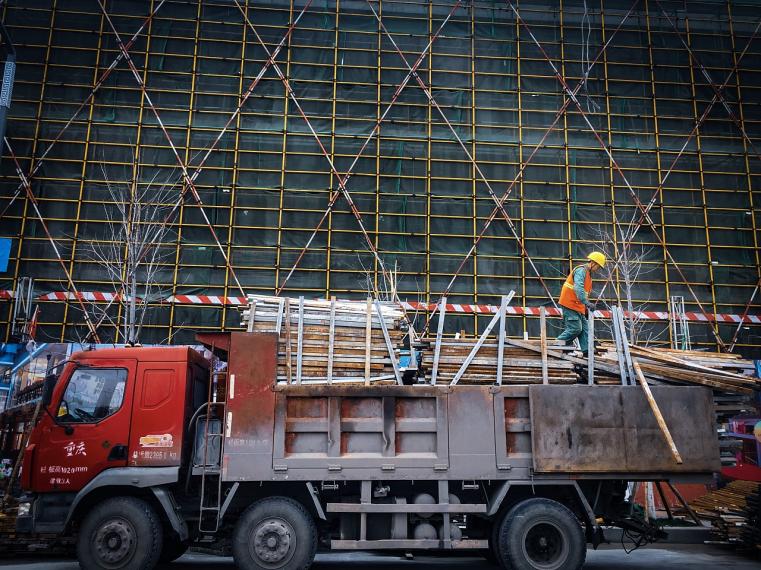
(211, 467)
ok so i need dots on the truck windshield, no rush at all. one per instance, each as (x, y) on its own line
(92, 395)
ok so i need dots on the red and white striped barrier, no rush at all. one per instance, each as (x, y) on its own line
(205, 300)
(98, 296)
(552, 311)
(84, 296)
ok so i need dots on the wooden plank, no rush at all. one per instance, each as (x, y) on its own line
(543, 342)
(368, 337)
(439, 331)
(676, 376)
(611, 368)
(664, 501)
(505, 300)
(657, 372)
(389, 308)
(679, 496)
(320, 319)
(655, 355)
(657, 413)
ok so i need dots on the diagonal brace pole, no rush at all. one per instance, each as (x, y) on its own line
(185, 175)
(615, 165)
(343, 179)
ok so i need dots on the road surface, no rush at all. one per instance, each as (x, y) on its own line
(661, 557)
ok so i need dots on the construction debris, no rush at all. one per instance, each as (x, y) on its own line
(733, 512)
(520, 365)
(750, 533)
(325, 341)
(720, 371)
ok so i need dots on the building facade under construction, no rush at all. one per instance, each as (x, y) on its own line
(397, 149)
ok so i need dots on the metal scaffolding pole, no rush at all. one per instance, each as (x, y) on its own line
(265, 187)
(343, 179)
(186, 176)
(607, 151)
(41, 218)
(634, 227)
(38, 163)
(524, 165)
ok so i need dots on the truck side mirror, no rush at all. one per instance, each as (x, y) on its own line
(47, 389)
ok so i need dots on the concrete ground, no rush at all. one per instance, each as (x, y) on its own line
(661, 557)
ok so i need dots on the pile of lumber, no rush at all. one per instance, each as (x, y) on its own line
(751, 532)
(327, 341)
(720, 371)
(727, 510)
(519, 365)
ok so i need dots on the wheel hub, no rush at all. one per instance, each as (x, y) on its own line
(114, 541)
(544, 546)
(272, 541)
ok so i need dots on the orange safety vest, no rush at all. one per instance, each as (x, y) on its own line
(568, 296)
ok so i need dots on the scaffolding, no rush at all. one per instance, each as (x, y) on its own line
(680, 326)
(477, 147)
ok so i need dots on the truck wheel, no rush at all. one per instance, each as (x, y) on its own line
(540, 534)
(122, 533)
(488, 555)
(275, 533)
(173, 548)
(491, 554)
(494, 556)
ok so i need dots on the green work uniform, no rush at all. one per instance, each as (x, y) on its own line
(575, 323)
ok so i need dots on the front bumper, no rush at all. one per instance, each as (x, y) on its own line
(25, 518)
(43, 513)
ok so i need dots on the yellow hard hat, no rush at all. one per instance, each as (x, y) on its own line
(597, 257)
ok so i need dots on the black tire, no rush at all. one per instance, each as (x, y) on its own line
(492, 554)
(123, 533)
(489, 556)
(172, 549)
(275, 534)
(541, 534)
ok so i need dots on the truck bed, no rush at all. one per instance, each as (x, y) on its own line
(337, 432)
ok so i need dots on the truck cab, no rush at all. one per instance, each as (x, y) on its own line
(111, 418)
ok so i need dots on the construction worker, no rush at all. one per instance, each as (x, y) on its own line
(574, 298)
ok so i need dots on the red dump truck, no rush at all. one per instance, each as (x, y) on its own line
(140, 453)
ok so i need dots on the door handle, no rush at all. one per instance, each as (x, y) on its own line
(118, 453)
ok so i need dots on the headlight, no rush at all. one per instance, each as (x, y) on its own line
(23, 509)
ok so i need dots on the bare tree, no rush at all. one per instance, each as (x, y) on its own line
(627, 266)
(131, 253)
(387, 289)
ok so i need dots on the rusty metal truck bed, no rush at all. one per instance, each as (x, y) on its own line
(333, 432)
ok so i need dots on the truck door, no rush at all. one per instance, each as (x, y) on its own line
(157, 414)
(91, 428)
